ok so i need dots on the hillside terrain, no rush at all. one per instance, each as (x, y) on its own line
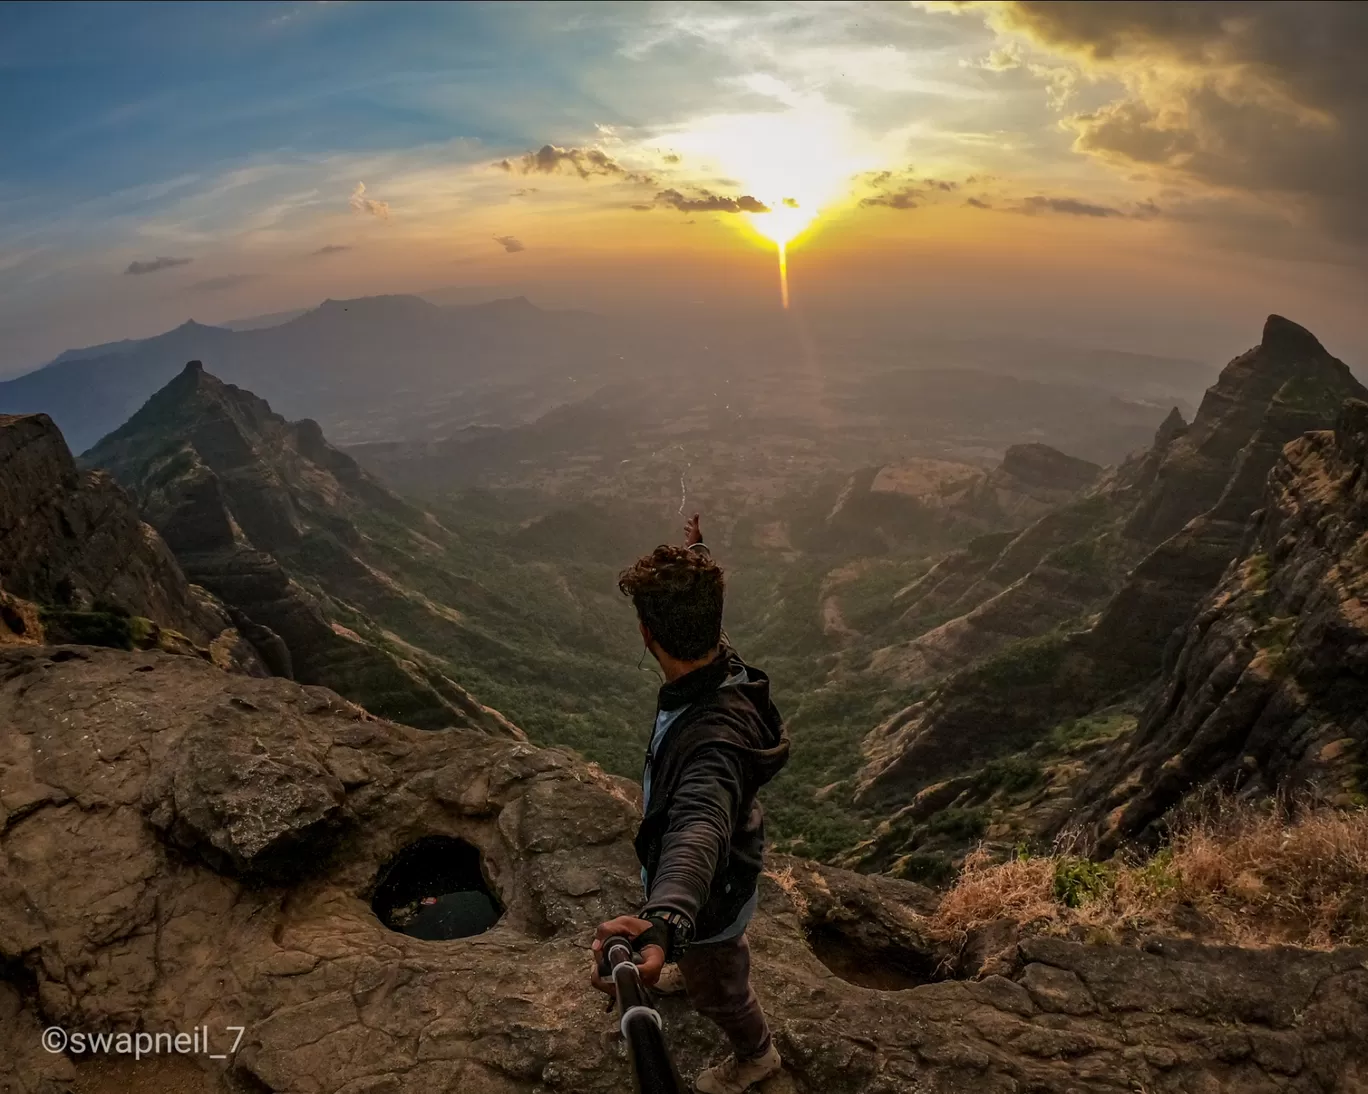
(996, 745)
(351, 587)
(252, 506)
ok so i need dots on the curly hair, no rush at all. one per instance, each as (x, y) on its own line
(677, 593)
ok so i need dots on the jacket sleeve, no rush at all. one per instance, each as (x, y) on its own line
(703, 815)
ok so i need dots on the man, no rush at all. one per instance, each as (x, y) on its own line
(717, 739)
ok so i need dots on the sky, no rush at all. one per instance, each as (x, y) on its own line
(1146, 176)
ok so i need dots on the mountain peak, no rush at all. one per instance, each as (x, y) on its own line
(1171, 427)
(1285, 336)
(192, 377)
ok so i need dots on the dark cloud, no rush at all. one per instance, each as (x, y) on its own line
(152, 265)
(643, 208)
(1071, 206)
(978, 203)
(902, 189)
(671, 157)
(707, 202)
(905, 198)
(509, 244)
(1266, 98)
(551, 159)
(1077, 207)
(330, 249)
(227, 281)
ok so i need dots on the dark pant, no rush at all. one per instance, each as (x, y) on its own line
(717, 978)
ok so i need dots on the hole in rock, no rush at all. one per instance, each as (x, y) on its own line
(12, 619)
(883, 965)
(435, 889)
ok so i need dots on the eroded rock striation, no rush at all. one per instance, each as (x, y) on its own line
(211, 860)
(1268, 689)
(77, 559)
(940, 501)
(1075, 612)
(268, 516)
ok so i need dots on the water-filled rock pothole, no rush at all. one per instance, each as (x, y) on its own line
(435, 889)
(875, 962)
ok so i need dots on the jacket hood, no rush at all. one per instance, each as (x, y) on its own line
(752, 723)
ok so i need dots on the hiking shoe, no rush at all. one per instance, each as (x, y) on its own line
(732, 1076)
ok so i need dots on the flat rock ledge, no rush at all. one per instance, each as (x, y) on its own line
(182, 848)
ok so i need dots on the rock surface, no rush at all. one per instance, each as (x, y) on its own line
(1268, 690)
(1075, 560)
(77, 555)
(255, 508)
(940, 501)
(108, 922)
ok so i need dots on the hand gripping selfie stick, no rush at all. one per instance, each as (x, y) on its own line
(653, 1072)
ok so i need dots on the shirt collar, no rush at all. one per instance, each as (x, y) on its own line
(694, 685)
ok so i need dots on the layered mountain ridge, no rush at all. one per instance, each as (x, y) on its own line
(263, 513)
(1069, 617)
(1266, 692)
(79, 565)
(362, 366)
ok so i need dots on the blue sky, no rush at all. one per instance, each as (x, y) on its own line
(163, 160)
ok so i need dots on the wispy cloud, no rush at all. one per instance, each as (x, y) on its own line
(363, 204)
(587, 163)
(905, 198)
(1039, 203)
(151, 265)
(330, 249)
(1077, 207)
(707, 202)
(510, 244)
(902, 190)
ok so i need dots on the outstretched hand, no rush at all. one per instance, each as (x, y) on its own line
(650, 963)
(691, 533)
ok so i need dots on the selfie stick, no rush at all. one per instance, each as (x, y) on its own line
(653, 1072)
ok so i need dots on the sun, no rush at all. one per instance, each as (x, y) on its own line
(798, 162)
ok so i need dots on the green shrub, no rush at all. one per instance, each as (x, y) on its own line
(1256, 568)
(1082, 556)
(924, 867)
(1079, 880)
(958, 823)
(1022, 664)
(1011, 773)
(87, 628)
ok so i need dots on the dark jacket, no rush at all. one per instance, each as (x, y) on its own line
(702, 839)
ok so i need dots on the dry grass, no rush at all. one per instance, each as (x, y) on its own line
(787, 881)
(1245, 876)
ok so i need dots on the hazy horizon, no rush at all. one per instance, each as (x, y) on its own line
(1099, 174)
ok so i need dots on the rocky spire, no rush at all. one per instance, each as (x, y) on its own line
(1172, 426)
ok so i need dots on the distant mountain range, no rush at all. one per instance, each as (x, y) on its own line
(420, 368)
(362, 367)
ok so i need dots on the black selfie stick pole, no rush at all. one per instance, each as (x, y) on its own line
(653, 1072)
